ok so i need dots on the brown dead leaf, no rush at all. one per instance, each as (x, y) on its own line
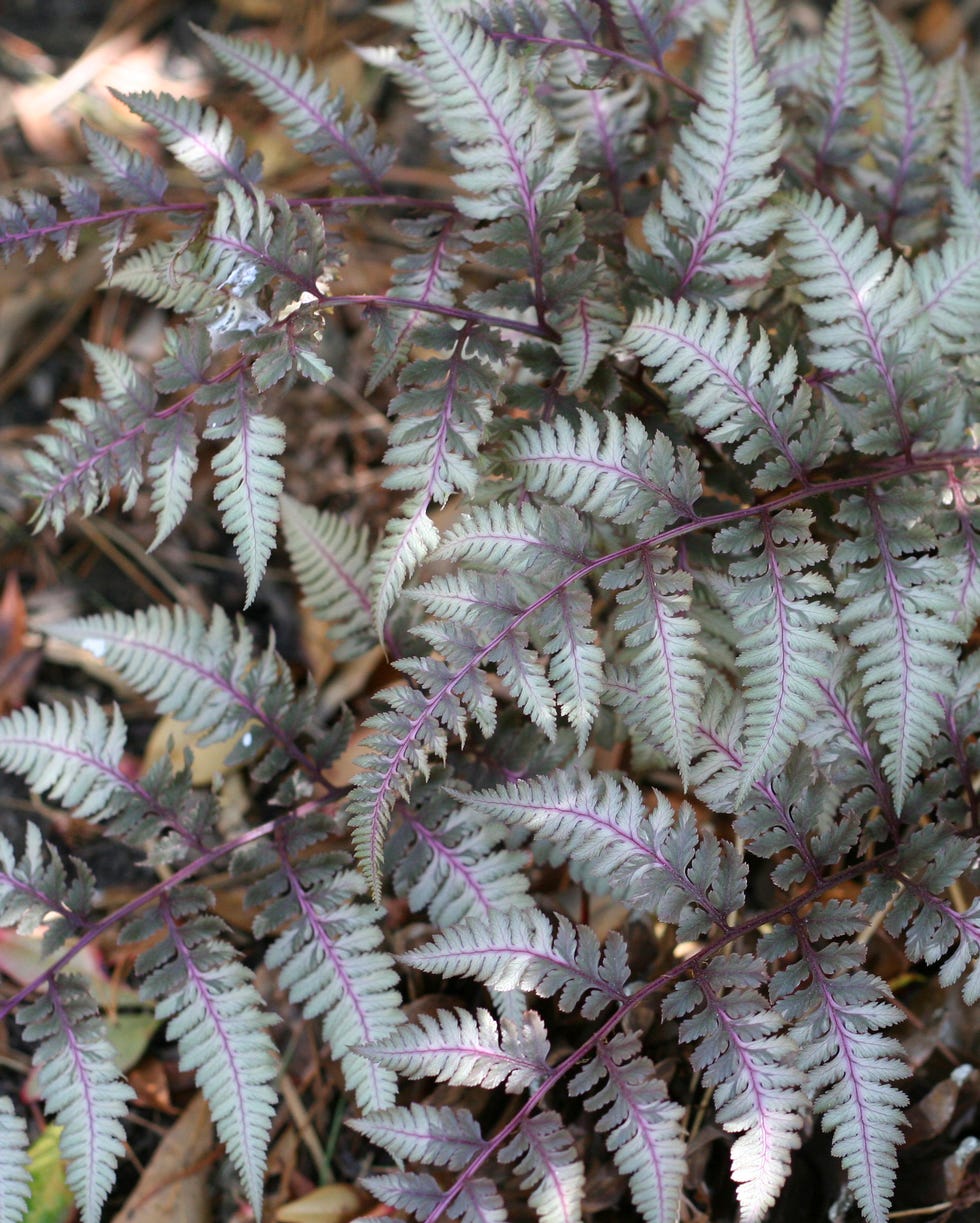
(328, 1204)
(174, 1185)
(207, 762)
(149, 1081)
(18, 660)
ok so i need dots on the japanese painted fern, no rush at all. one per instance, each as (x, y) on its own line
(695, 629)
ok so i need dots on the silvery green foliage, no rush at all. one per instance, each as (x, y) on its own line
(81, 1086)
(685, 371)
(15, 1180)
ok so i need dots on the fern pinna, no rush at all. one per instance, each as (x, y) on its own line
(681, 576)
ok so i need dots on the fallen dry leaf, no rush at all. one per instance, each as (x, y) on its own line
(328, 1204)
(18, 661)
(174, 1185)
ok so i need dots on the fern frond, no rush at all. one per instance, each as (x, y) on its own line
(792, 812)
(575, 658)
(648, 27)
(908, 144)
(82, 1088)
(408, 540)
(964, 150)
(15, 1177)
(478, 1201)
(36, 889)
(912, 897)
(249, 478)
(446, 1137)
(837, 1014)
(719, 209)
(429, 273)
(452, 866)
(132, 175)
(782, 648)
(441, 411)
(899, 604)
(79, 463)
(468, 1051)
(310, 115)
(595, 320)
(520, 951)
(614, 845)
(545, 1157)
(28, 222)
(171, 462)
(948, 281)
(865, 314)
(327, 952)
(402, 740)
(752, 1066)
(607, 118)
(729, 386)
(594, 824)
(661, 640)
(214, 1013)
(204, 674)
(504, 139)
(641, 1126)
(331, 560)
(622, 475)
(198, 137)
(848, 61)
(72, 755)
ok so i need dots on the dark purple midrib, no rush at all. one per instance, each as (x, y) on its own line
(905, 465)
(302, 102)
(217, 1026)
(440, 849)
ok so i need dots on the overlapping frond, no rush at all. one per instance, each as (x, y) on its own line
(780, 620)
(81, 1086)
(709, 226)
(866, 322)
(250, 478)
(845, 83)
(662, 652)
(731, 388)
(331, 560)
(15, 1179)
(327, 952)
(753, 1067)
(451, 865)
(948, 280)
(838, 1014)
(521, 951)
(913, 897)
(504, 140)
(544, 1156)
(426, 1134)
(214, 1013)
(907, 146)
(640, 1125)
(468, 1050)
(899, 602)
(311, 115)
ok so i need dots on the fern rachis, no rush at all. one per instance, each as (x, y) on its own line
(672, 549)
